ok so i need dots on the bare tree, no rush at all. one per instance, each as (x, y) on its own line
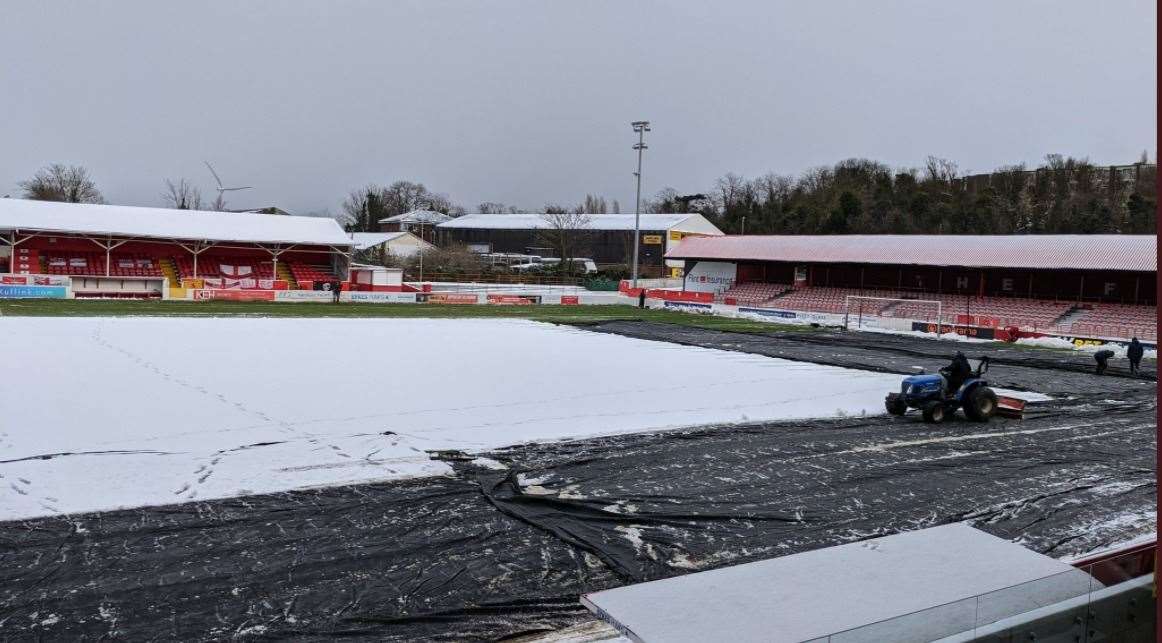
(491, 207)
(363, 208)
(219, 203)
(58, 182)
(594, 204)
(182, 195)
(566, 232)
(941, 170)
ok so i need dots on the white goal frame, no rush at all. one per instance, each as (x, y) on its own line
(859, 319)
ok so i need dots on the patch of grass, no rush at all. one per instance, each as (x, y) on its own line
(544, 313)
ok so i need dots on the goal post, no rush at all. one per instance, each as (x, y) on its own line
(857, 307)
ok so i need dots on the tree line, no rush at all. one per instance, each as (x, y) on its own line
(859, 196)
(854, 196)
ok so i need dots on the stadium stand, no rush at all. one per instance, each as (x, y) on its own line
(832, 300)
(225, 266)
(304, 272)
(1100, 286)
(89, 240)
(1101, 320)
(753, 293)
(989, 311)
(1117, 320)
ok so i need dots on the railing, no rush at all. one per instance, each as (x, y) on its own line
(1073, 605)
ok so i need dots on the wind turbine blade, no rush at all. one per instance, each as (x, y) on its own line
(246, 187)
(214, 173)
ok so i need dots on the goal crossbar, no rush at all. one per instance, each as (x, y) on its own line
(850, 298)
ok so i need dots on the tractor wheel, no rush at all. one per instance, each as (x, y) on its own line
(933, 412)
(895, 405)
(981, 404)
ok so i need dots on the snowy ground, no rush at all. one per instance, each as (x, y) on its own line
(104, 413)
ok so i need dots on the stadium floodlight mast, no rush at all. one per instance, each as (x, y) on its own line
(641, 127)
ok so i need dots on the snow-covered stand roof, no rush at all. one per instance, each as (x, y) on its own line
(162, 223)
(1040, 252)
(535, 221)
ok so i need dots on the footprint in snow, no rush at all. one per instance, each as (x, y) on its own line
(18, 489)
(24, 481)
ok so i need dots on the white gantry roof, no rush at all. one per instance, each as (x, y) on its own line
(365, 240)
(163, 223)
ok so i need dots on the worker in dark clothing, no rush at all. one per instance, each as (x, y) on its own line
(1134, 353)
(1102, 358)
(955, 373)
(336, 288)
(641, 299)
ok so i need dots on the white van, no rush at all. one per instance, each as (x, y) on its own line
(581, 265)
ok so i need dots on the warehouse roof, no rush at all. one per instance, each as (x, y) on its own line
(1056, 251)
(535, 221)
(162, 223)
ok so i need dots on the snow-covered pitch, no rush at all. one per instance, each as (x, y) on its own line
(104, 413)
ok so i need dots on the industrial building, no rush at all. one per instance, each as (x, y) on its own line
(605, 238)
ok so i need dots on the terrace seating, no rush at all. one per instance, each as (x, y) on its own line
(73, 263)
(93, 264)
(135, 265)
(224, 266)
(753, 293)
(832, 300)
(306, 272)
(1117, 320)
(1000, 311)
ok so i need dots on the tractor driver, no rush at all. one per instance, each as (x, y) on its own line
(955, 373)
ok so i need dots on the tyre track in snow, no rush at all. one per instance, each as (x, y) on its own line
(205, 469)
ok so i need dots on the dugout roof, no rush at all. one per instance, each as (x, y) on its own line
(1047, 252)
(166, 224)
(861, 590)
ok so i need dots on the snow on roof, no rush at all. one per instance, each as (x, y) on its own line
(417, 216)
(822, 592)
(1055, 251)
(535, 221)
(365, 240)
(163, 223)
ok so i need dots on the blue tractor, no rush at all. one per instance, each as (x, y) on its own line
(932, 395)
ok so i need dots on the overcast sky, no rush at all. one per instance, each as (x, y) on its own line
(530, 102)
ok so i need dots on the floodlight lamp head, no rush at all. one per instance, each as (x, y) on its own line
(641, 126)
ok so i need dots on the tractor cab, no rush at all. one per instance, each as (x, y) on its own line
(937, 398)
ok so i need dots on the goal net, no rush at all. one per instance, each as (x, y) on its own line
(859, 310)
